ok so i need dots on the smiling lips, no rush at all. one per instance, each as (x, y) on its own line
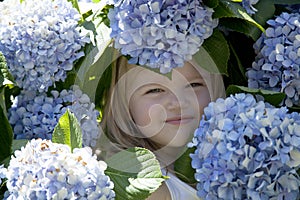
(179, 120)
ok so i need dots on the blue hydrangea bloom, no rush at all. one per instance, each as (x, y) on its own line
(35, 115)
(276, 66)
(247, 149)
(160, 33)
(41, 40)
(249, 6)
(3, 172)
(46, 170)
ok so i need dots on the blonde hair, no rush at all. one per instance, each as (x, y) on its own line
(117, 121)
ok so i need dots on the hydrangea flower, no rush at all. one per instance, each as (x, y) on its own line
(3, 172)
(249, 6)
(160, 33)
(35, 115)
(276, 66)
(247, 149)
(41, 40)
(46, 170)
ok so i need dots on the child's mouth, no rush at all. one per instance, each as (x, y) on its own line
(179, 120)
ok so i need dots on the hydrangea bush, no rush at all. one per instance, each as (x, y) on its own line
(35, 115)
(46, 170)
(47, 48)
(40, 40)
(276, 66)
(247, 149)
(160, 34)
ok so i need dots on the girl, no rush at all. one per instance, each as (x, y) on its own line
(159, 112)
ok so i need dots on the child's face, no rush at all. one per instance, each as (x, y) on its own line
(167, 111)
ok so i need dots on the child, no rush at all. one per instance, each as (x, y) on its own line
(160, 113)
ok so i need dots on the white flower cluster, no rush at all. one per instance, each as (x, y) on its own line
(46, 170)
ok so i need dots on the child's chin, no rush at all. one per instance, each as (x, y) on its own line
(179, 142)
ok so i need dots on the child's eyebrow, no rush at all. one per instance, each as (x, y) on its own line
(195, 76)
(151, 85)
(148, 85)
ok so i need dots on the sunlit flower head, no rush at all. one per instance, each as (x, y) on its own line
(41, 40)
(277, 63)
(160, 33)
(247, 149)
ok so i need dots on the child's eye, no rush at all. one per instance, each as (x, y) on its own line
(196, 84)
(155, 90)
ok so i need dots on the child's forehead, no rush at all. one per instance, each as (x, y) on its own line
(188, 71)
(141, 74)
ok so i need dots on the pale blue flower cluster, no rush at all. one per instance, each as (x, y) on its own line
(247, 149)
(41, 40)
(35, 115)
(249, 6)
(46, 170)
(3, 172)
(160, 33)
(276, 66)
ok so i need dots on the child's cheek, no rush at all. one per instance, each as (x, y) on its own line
(148, 113)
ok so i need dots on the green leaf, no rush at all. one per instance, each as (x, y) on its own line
(265, 11)
(227, 9)
(16, 145)
(72, 79)
(183, 168)
(214, 54)
(6, 83)
(101, 15)
(68, 131)
(5, 76)
(92, 75)
(238, 66)
(274, 98)
(241, 26)
(6, 136)
(2, 100)
(95, 59)
(211, 3)
(135, 172)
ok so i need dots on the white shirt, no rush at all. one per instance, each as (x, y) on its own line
(179, 190)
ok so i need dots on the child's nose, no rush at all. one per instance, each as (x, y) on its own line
(176, 101)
